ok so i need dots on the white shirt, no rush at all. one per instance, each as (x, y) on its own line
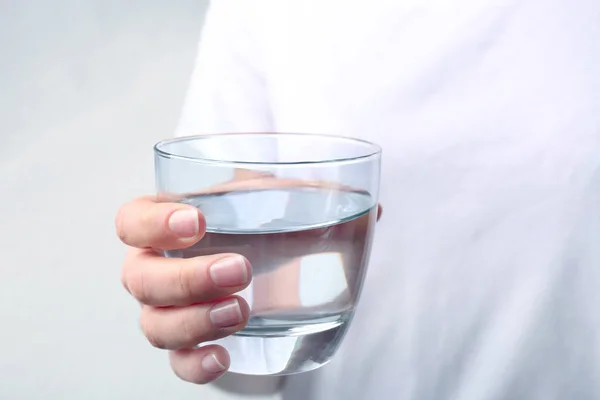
(484, 281)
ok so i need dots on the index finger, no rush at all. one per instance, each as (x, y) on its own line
(146, 223)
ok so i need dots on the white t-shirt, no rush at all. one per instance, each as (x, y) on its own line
(484, 281)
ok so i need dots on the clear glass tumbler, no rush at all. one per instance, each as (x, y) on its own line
(302, 209)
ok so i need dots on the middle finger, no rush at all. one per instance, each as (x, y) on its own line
(157, 281)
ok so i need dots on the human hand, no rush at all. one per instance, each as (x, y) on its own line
(179, 296)
(184, 301)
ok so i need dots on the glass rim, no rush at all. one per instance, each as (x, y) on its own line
(374, 152)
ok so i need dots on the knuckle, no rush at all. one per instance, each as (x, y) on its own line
(194, 330)
(135, 284)
(190, 330)
(124, 271)
(124, 280)
(149, 328)
(120, 226)
(184, 280)
(146, 218)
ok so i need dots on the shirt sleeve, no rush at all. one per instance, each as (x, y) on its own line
(227, 91)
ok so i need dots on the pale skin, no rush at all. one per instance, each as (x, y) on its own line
(185, 302)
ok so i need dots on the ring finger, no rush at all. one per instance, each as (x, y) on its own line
(184, 327)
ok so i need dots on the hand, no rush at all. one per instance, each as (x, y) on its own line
(184, 301)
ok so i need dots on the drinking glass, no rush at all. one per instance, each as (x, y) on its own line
(302, 209)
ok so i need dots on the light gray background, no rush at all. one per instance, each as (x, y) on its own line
(86, 88)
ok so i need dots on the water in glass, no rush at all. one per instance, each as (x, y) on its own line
(309, 248)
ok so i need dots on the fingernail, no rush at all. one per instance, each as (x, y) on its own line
(184, 223)
(227, 313)
(211, 364)
(230, 271)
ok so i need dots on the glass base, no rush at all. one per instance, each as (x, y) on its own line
(273, 354)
